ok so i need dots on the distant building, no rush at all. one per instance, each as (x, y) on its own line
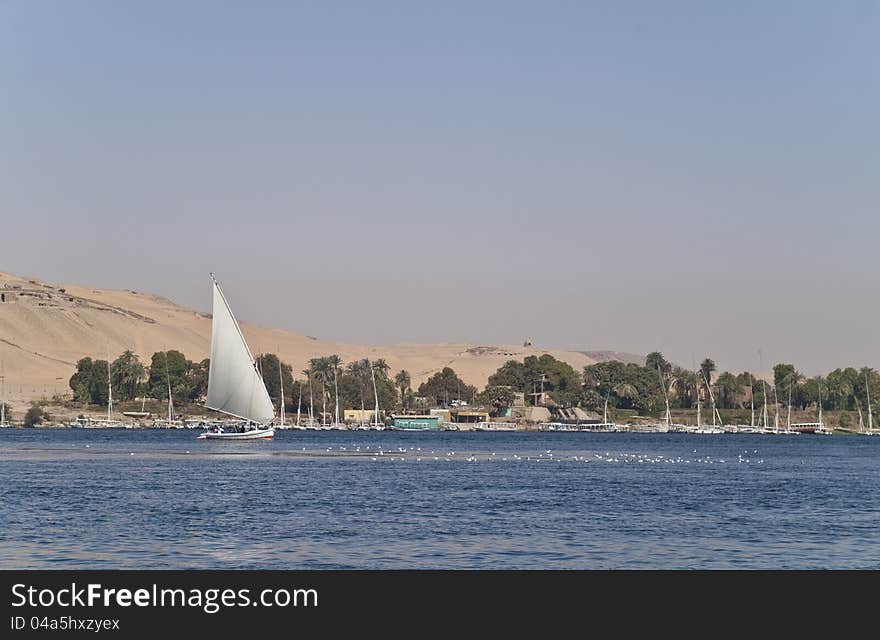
(470, 416)
(444, 415)
(358, 416)
(519, 399)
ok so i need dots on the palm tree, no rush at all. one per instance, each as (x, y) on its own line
(626, 391)
(382, 368)
(127, 372)
(321, 369)
(730, 388)
(707, 367)
(335, 362)
(686, 385)
(403, 381)
(360, 371)
(655, 360)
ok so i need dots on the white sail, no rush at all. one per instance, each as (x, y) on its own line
(234, 384)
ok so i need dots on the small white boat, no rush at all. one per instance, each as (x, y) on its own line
(235, 386)
(256, 433)
(495, 426)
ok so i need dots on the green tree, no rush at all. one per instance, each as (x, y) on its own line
(783, 374)
(269, 365)
(707, 368)
(356, 385)
(498, 398)
(729, 390)
(685, 387)
(403, 382)
(188, 380)
(198, 377)
(35, 415)
(555, 377)
(126, 372)
(511, 374)
(655, 361)
(89, 383)
(445, 386)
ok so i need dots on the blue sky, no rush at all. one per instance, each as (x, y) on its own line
(694, 177)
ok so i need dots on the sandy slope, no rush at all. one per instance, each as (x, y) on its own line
(46, 328)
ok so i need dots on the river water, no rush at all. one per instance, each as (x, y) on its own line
(160, 499)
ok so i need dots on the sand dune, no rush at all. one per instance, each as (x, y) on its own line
(45, 328)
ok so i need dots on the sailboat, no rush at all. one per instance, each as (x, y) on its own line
(714, 429)
(3, 422)
(870, 430)
(235, 386)
(376, 426)
(813, 427)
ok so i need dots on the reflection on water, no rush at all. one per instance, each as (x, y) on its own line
(161, 499)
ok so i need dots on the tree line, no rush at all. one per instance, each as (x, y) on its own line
(328, 382)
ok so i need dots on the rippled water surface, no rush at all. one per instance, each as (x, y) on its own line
(382, 500)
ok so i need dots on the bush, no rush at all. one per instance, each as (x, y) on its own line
(34, 416)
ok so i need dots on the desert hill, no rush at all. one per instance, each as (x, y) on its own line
(45, 328)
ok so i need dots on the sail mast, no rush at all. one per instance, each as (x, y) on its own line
(665, 395)
(375, 395)
(109, 392)
(311, 401)
(788, 426)
(870, 415)
(715, 411)
(775, 409)
(168, 380)
(282, 391)
(764, 420)
(299, 403)
(2, 400)
(752, 389)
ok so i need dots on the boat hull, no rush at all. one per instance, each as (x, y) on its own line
(255, 434)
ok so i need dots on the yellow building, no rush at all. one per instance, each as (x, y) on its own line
(358, 416)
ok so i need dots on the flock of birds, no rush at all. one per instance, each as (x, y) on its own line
(417, 454)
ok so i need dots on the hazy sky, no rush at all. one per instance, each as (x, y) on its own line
(700, 178)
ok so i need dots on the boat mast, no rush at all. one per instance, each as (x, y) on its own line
(752, 389)
(299, 403)
(764, 418)
(2, 401)
(168, 380)
(375, 395)
(665, 395)
(311, 401)
(775, 409)
(870, 415)
(605, 412)
(819, 384)
(715, 411)
(699, 409)
(788, 427)
(281, 381)
(336, 391)
(109, 392)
